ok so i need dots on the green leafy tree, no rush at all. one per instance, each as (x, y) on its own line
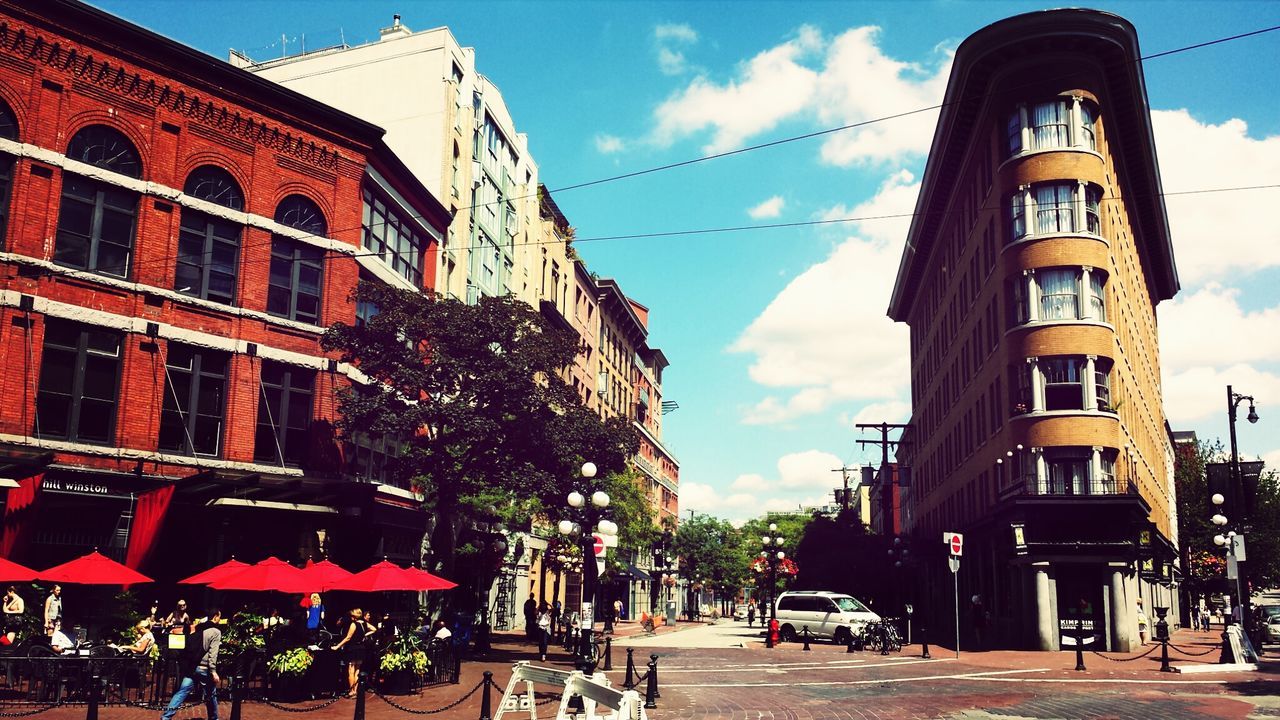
(488, 428)
(791, 528)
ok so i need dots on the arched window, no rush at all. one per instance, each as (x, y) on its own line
(297, 268)
(212, 183)
(8, 131)
(96, 220)
(300, 212)
(208, 246)
(107, 148)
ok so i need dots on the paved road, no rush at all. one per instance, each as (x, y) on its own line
(724, 634)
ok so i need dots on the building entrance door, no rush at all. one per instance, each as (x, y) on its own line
(1080, 600)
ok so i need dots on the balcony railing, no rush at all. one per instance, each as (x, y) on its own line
(1048, 488)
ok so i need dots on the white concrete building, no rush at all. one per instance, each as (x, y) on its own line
(452, 129)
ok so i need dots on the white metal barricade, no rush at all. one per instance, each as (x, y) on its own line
(594, 691)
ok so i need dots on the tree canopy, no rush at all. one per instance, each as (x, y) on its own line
(473, 395)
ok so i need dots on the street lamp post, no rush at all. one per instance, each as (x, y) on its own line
(1233, 401)
(592, 515)
(772, 554)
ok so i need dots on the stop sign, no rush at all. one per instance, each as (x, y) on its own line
(598, 545)
(954, 541)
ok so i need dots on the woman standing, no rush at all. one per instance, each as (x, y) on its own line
(353, 645)
(544, 631)
(315, 616)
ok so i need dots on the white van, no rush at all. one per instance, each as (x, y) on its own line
(826, 614)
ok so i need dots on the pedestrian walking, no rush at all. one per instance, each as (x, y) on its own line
(530, 618)
(556, 616)
(53, 611)
(979, 615)
(200, 661)
(1142, 623)
(1204, 617)
(751, 613)
(619, 610)
(544, 631)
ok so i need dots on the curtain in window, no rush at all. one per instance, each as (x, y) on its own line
(1067, 477)
(1054, 209)
(1017, 217)
(1057, 294)
(1097, 297)
(1050, 125)
(1088, 116)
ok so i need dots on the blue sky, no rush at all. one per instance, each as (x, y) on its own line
(777, 338)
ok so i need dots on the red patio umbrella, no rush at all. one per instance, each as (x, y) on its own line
(387, 576)
(215, 573)
(322, 575)
(13, 572)
(427, 580)
(270, 574)
(93, 569)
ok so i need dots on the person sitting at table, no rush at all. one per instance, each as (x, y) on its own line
(176, 622)
(145, 640)
(60, 642)
(442, 631)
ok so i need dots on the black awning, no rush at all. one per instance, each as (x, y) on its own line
(637, 573)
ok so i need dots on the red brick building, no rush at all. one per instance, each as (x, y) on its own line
(176, 235)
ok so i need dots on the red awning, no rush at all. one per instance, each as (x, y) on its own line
(215, 573)
(13, 572)
(323, 575)
(387, 576)
(270, 574)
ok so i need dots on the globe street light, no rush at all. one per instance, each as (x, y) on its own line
(573, 526)
(772, 554)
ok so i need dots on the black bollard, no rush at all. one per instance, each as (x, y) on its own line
(651, 690)
(629, 683)
(92, 712)
(806, 647)
(486, 703)
(1080, 645)
(608, 653)
(653, 675)
(924, 642)
(1164, 656)
(457, 668)
(237, 695)
(361, 681)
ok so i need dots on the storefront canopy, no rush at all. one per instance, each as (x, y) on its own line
(93, 569)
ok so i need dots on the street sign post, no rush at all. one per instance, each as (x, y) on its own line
(955, 543)
(598, 545)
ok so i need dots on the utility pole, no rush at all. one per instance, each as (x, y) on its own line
(844, 499)
(886, 477)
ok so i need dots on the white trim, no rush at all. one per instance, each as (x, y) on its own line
(147, 455)
(1029, 238)
(401, 492)
(1041, 414)
(138, 325)
(272, 505)
(1051, 323)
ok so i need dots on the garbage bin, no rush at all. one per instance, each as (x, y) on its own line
(671, 612)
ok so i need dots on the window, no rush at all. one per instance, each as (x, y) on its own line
(1102, 386)
(194, 397)
(95, 227)
(294, 281)
(284, 414)
(107, 148)
(1058, 294)
(9, 131)
(1048, 208)
(1067, 472)
(368, 456)
(79, 380)
(1097, 296)
(209, 247)
(293, 290)
(1059, 123)
(1107, 482)
(392, 238)
(1062, 388)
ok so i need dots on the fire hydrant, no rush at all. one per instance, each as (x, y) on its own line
(773, 632)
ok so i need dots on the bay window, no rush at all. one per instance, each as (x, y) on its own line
(1072, 383)
(1058, 294)
(1058, 124)
(391, 237)
(1072, 471)
(1055, 208)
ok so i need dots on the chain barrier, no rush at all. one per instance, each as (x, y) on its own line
(1150, 650)
(309, 708)
(450, 706)
(1215, 648)
(29, 713)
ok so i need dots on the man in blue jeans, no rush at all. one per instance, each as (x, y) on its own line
(201, 667)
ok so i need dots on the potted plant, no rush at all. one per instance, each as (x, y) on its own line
(404, 664)
(287, 669)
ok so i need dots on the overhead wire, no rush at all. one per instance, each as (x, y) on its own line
(705, 158)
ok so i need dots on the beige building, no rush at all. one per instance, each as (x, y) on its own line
(452, 128)
(1039, 251)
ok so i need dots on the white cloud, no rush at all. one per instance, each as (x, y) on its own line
(679, 32)
(608, 144)
(802, 478)
(1196, 328)
(843, 81)
(1218, 234)
(810, 469)
(1198, 393)
(1272, 460)
(894, 411)
(749, 483)
(771, 87)
(826, 337)
(698, 496)
(671, 61)
(770, 208)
